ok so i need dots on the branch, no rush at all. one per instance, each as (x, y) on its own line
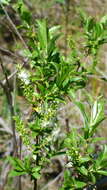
(12, 74)
(14, 27)
(9, 53)
(29, 4)
(7, 91)
(5, 74)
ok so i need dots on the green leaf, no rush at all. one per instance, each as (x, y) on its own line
(83, 170)
(24, 12)
(27, 162)
(79, 184)
(66, 81)
(101, 158)
(16, 163)
(97, 114)
(36, 169)
(84, 159)
(53, 30)
(36, 175)
(103, 20)
(71, 140)
(51, 45)
(84, 114)
(36, 172)
(102, 172)
(93, 178)
(27, 53)
(14, 173)
(43, 34)
(96, 139)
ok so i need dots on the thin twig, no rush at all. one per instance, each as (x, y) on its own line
(5, 74)
(17, 56)
(14, 55)
(29, 4)
(9, 53)
(9, 77)
(7, 91)
(14, 73)
(13, 25)
(67, 126)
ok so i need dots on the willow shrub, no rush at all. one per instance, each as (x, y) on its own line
(51, 78)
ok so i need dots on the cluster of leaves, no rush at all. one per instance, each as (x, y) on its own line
(95, 33)
(85, 163)
(24, 167)
(45, 86)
